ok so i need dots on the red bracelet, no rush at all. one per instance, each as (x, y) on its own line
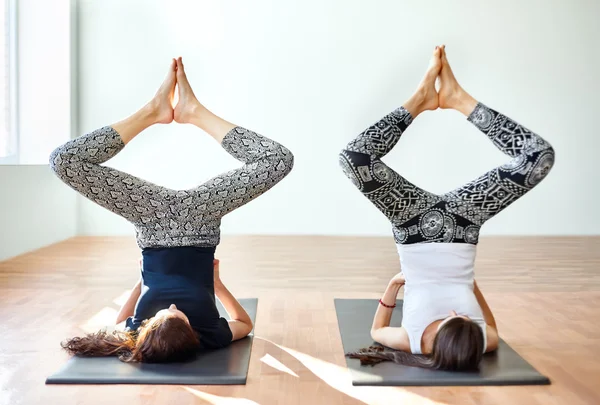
(387, 306)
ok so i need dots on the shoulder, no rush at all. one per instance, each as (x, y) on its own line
(392, 337)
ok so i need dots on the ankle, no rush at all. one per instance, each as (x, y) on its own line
(465, 103)
(423, 95)
(197, 109)
(198, 114)
(156, 106)
(423, 99)
(413, 106)
(150, 113)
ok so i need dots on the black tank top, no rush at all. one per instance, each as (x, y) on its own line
(182, 276)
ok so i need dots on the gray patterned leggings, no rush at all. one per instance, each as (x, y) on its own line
(419, 216)
(163, 217)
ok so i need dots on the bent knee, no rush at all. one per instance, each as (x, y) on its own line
(541, 163)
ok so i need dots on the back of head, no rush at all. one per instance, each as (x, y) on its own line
(458, 346)
(164, 340)
(161, 340)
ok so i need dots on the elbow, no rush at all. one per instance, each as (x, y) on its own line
(378, 338)
(249, 327)
(491, 347)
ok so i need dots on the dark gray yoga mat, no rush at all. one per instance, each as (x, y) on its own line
(355, 316)
(228, 366)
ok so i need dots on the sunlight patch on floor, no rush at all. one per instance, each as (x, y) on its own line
(217, 400)
(276, 364)
(105, 317)
(122, 299)
(339, 378)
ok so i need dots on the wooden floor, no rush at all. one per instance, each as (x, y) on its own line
(545, 293)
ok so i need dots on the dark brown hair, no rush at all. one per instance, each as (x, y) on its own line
(458, 346)
(158, 340)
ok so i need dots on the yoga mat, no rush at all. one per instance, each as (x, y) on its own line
(227, 366)
(355, 316)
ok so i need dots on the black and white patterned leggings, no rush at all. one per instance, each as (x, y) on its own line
(164, 217)
(419, 216)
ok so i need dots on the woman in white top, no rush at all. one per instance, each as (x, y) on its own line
(445, 316)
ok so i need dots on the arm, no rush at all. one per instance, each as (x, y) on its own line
(127, 309)
(240, 323)
(381, 332)
(488, 317)
(487, 312)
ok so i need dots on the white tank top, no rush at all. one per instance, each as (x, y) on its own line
(439, 279)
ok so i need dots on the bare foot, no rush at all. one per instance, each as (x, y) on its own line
(188, 105)
(426, 97)
(451, 94)
(161, 105)
(427, 86)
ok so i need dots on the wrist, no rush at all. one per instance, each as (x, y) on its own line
(389, 305)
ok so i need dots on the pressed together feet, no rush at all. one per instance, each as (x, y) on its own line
(162, 105)
(450, 94)
(161, 109)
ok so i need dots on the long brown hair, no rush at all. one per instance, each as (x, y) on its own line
(458, 346)
(158, 340)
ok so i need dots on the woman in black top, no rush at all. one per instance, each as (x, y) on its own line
(171, 312)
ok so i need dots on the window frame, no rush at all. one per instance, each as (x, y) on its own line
(12, 22)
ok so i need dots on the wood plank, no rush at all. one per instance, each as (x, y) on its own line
(545, 293)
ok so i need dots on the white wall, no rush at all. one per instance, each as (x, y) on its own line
(36, 209)
(313, 74)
